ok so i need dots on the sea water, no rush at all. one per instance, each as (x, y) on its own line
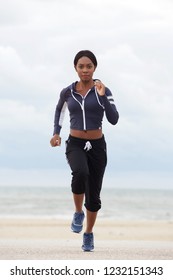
(57, 202)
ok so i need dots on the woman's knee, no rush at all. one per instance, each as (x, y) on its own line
(79, 181)
(93, 206)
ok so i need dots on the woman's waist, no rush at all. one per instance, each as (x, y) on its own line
(87, 134)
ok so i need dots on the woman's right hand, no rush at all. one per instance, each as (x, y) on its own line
(55, 140)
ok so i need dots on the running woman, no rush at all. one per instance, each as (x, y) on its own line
(87, 101)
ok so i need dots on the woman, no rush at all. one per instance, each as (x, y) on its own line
(87, 100)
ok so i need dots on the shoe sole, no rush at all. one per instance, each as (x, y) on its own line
(81, 227)
(76, 231)
(84, 250)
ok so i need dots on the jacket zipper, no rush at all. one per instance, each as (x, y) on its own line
(83, 113)
(82, 106)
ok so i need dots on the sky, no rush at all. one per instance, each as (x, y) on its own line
(133, 43)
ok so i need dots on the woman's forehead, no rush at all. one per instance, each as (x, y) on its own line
(84, 60)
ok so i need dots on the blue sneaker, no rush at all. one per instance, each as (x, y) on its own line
(77, 223)
(88, 242)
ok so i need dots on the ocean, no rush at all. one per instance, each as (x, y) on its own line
(117, 204)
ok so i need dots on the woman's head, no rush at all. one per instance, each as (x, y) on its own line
(85, 64)
(85, 53)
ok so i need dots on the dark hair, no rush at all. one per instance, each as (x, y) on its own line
(86, 53)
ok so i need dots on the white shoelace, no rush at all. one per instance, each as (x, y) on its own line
(88, 146)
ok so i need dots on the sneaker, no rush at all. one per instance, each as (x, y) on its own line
(88, 242)
(77, 223)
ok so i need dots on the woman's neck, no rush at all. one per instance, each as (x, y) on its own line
(83, 87)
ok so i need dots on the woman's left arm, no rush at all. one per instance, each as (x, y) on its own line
(108, 102)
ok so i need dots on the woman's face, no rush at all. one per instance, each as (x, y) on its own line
(85, 69)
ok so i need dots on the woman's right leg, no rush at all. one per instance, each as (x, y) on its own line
(80, 176)
(78, 201)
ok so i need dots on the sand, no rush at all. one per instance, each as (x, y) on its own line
(51, 239)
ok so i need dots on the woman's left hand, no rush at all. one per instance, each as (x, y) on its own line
(100, 87)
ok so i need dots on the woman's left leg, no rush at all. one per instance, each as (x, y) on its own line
(97, 160)
(90, 221)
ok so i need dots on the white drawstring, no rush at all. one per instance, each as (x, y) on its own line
(88, 146)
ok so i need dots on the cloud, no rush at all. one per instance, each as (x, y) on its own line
(25, 131)
(10, 12)
(21, 80)
(15, 115)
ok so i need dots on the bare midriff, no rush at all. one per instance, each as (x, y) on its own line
(87, 134)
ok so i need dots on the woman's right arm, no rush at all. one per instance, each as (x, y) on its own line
(58, 119)
(55, 140)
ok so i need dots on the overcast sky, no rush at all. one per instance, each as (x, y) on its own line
(133, 42)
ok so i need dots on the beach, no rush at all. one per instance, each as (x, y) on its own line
(50, 239)
(132, 224)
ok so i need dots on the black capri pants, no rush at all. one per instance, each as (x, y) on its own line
(87, 160)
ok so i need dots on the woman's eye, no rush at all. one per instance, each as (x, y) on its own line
(87, 66)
